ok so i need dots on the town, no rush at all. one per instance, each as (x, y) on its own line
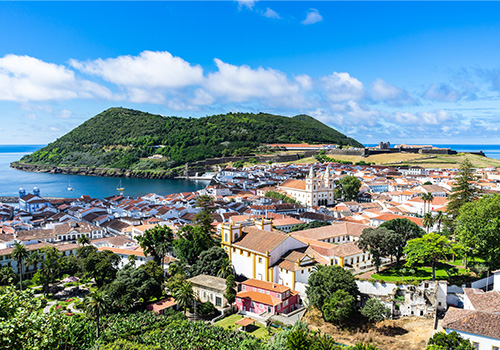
(265, 247)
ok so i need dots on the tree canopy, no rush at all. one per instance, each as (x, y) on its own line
(464, 191)
(210, 262)
(430, 248)
(375, 310)
(157, 242)
(478, 228)
(192, 241)
(327, 280)
(452, 341)
(338, 307)
(347, 188)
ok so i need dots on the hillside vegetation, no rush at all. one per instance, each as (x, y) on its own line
(124, 138)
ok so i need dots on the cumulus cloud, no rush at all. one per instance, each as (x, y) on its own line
(423, 118)
(342, 87)
(442, 92)
(269, 13)
(312, 17)
(390, 94)
(148, 70)
(25, 78)
(242, 83)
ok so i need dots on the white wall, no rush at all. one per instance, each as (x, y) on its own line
(376, 288)
(485, 343)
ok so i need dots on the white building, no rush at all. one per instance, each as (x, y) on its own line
(312, 191)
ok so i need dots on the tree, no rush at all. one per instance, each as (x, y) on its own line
(428, 221)
(210, 262)
(50, 269)
(464, 191)
(157, 242)
(100, 265)
(184, 295)
(96, 306)
(439, 219)
(83, 240)
(478, 228)
(230, 289)
(431, 248)
(375, 310)
(347, 188)
(204, 217)
(35, 258)
(427, 198)
(451, 341)
(298, 340)
(19, 254)
(191, 243)
(327, 280)
(226, 269)
(338, 307)
(154, 270)
(374, 240)
(7, 276)
(131, 287)
(312, 224)
(401, 230)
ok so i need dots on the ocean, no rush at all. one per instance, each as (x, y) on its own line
(56, 185)
(491, 151)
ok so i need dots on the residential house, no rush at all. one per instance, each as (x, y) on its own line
(210, 288)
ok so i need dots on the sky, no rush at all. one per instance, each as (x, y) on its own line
(404, 72)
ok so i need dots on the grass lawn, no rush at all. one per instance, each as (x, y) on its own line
(257, 330)
(422, 273)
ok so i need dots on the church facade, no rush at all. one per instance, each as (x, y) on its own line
(313, 191)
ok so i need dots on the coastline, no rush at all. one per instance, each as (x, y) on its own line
(91, 171)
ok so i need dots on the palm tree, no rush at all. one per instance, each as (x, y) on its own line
(427, 198)
(226, 268)
(19, 254)
(428, 221)
(184, 295)
(440, 217)
(83, 240)
(34, 258)
(96, 305)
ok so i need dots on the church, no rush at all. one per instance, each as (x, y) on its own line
(313, 191)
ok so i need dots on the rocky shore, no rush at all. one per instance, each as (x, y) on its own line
(91, 171)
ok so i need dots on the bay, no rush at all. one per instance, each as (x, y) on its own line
(56, 185)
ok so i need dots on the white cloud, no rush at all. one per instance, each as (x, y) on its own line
(202, 98)
(305, 81)
(423, 118)
(242, 83)
(65, 113)
(390, 94)
(53, 128)
(312, 17)
(342, 87)
(148, 70)
(32, 116)
(25, 78)
(269, 13)
(246, 3)
(442, 93)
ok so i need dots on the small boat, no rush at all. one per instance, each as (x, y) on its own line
(120, 187)
(69, 186)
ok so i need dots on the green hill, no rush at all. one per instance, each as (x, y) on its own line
(124, 138)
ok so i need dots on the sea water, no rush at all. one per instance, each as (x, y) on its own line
(56, 185)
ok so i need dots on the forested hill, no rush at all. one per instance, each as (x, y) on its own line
(124, 138)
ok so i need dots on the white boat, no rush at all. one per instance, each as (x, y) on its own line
(69, 186)
(120, 187)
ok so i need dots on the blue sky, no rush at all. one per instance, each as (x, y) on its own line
(415, 72)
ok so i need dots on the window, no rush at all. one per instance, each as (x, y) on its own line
(218, 301)
(475, 345)
(278, 296)
(254, 289)
(244, 287)
(253, 304)
(267, 292)
(260, 260)
(495, 347)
